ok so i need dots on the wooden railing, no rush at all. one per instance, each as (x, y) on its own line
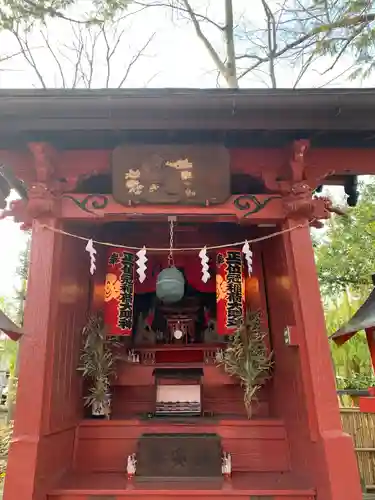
(148, 355)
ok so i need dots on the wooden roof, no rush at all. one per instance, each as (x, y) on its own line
(363, 319)
(42, 114)
(9, 328)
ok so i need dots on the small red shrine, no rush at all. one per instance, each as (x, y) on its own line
(173, 214)
(362, 320)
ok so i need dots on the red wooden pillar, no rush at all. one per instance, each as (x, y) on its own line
(370, 334)
(332, 463)
(367, 404)
(25, 472)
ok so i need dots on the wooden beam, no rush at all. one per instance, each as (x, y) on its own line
(253, 209)
(77, 164)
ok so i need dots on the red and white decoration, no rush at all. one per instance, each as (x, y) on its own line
(230, 291)
(226, 465)
(119, 292)
(246, 250)
(141, 264)
(131, 466)
(92, 252)
(204, 262)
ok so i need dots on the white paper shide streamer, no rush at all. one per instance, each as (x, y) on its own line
(204, 261)
(141, 264)
(92, 252)
(246, 250)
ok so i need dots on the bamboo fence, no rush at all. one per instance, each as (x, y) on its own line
(361, 426)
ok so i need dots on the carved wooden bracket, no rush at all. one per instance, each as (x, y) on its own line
(41, 192)
(296, 186)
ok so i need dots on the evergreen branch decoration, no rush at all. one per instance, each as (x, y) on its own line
(97, 363)
(5, 440)
(248, 358)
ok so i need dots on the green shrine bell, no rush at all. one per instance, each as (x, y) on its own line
(170, 285)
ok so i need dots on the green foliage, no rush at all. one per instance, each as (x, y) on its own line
(248, 359)
(346, 261)
(346, 255)
(342, 27)
(13, 12)
(5, 439)
(352, 361)
(8, 348)
(357, 382)
(97, 362)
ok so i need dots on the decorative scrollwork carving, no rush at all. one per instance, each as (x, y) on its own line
(90, 203)
(251, 203)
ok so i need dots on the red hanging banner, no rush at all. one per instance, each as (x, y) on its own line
(119, 292)
(230, 291)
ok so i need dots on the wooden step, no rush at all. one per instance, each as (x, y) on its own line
(241, 486)
(255, 445)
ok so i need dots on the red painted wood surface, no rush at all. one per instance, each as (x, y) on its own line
(182, 495)
(49, 397)
(142, 375)
(72, 164)
(132, 401)
(247, 486)
(367, 404)
(370, 335)
(272, 211)
(257, 445)
(46, 444)
(303, 374)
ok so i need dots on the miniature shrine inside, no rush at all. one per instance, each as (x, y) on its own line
(173, 216)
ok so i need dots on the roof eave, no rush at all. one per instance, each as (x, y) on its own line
(363, 319)
(9, 328)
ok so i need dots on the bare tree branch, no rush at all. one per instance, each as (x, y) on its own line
(28, 55)
(214, 55)
(51, 51)
(344, 47)
(134, 60)
(147, 83)
(90, 53)
(80, 61)
(346, 70)
(11, 56)
(78, 64)
(231, 70)
(179, 8)
(272, 41)
(304, 68)
(52, 12)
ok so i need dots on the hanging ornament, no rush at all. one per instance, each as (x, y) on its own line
(141, 264)
(204, 261)
(246, 250)
(170, 283)
(92, 252)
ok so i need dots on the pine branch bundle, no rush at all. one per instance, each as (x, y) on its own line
(97, 361)
(248, 358)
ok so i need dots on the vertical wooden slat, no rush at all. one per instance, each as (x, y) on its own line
(361, 426)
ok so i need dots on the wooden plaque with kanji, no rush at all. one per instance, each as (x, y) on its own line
(171, 174)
